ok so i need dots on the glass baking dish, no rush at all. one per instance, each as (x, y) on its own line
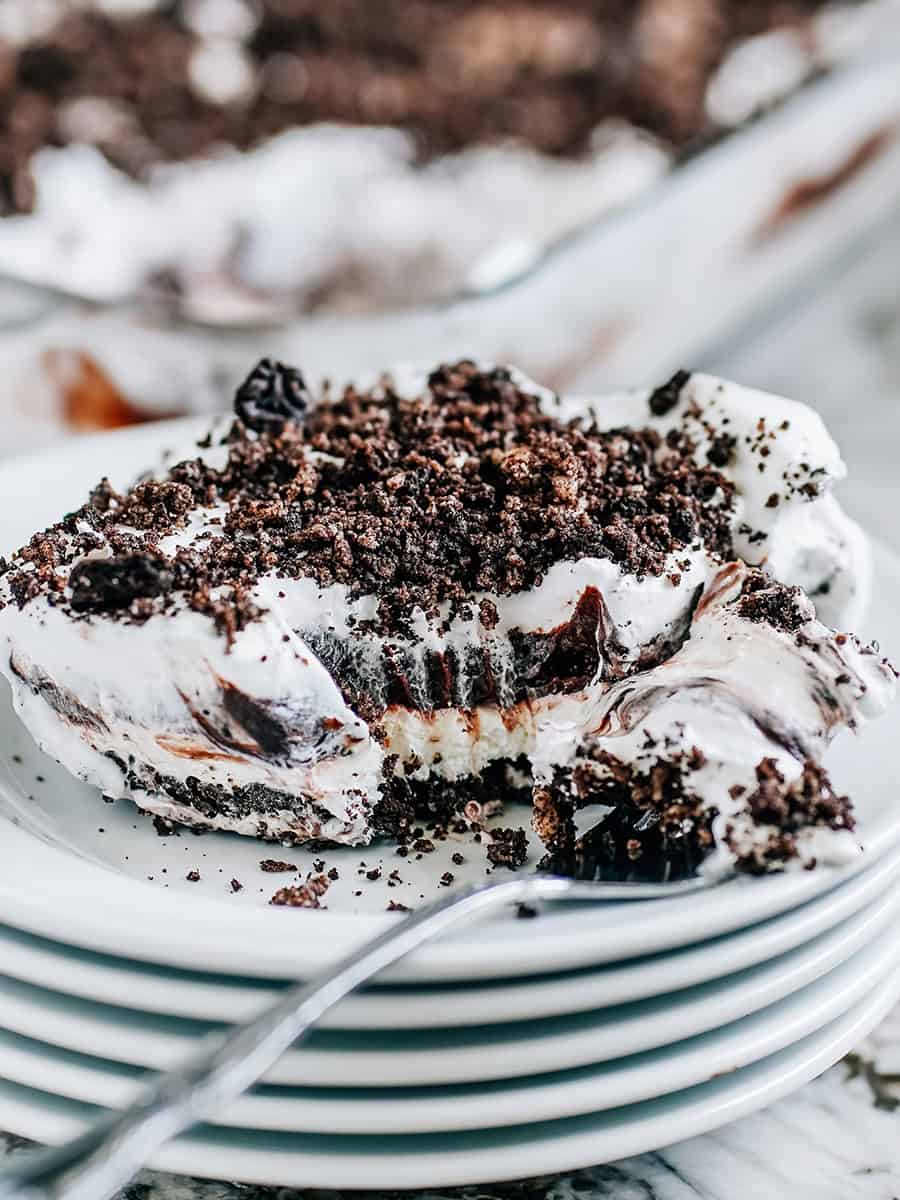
(623, 300)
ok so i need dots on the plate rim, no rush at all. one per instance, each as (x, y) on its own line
(589, 1090)
(141, 986)
(649, 1126)
(459, 1056)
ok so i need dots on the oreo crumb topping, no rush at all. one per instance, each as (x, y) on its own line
(231, 610)
(663, 399)
(468, 487)
(721, 450)
(767, 602)
(270, 396)
(108, 585)
(787, 809)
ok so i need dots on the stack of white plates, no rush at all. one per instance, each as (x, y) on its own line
(514, 1048)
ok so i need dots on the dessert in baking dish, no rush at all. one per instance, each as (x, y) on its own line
(251, 158)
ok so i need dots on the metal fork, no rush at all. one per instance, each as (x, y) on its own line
(95, 1165)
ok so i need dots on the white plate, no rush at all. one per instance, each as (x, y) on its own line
(167, 991)
(491, 1105)
(372, 1058)
(451, 1159)
(51, 848)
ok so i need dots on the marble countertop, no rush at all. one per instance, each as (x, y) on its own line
(837, 347)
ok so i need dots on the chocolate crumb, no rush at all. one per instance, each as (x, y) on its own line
(788, 808)
(508, 848)
(487, 614)
(274, 865)
(721, 450)
(270, 396)
(304, 895)
(105, 585)
(663, 399)
(765, 601)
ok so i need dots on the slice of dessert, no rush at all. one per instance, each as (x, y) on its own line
(339, 612)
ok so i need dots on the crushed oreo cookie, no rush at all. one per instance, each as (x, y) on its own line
(785, 809)
(768, 602)
(270, 396)
(663, 399)
(508, 848)
(655, 820)
(274, 866)
(808, 800)
(110, 585)
(304, 895)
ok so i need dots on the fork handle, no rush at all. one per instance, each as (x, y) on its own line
(95, 1165)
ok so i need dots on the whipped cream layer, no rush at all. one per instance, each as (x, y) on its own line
(265, 735)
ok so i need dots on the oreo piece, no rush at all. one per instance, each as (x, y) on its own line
(112, 584)
(663, 399)
(270, 396)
